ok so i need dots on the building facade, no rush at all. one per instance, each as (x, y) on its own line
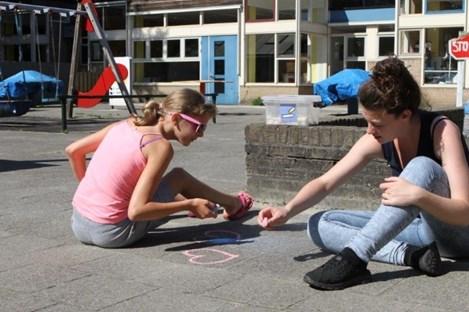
(244, 49)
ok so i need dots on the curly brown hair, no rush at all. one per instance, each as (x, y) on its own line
(391, 88)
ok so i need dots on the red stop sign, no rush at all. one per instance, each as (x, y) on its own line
(459, 47)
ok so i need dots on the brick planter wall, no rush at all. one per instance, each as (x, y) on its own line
(280, 159)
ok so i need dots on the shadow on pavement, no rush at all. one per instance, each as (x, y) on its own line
(311, 256)
(455, 265)
(47, 124)
(195, 236)
(12, 165)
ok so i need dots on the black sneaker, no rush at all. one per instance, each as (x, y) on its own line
(342, 271)
(425, 259)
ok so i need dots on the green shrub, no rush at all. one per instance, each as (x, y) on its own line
(257, 102)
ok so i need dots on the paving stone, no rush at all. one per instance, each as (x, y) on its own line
(95, 292)
(44, 268)
(19, 301)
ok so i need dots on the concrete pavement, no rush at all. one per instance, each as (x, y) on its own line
(186, 264)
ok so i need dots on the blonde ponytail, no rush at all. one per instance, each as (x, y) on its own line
(151, 114)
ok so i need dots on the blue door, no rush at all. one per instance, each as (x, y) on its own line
(220, 68)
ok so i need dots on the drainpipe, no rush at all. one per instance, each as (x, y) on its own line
(462, 66)
(298, 42)
(396, 28)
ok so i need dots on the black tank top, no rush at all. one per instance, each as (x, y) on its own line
(428, 121)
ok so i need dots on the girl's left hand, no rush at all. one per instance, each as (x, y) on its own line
(399, 192)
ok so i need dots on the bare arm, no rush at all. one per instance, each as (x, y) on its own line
(364, 150)
(141, 206)
(453, 210)
(448, 145)
(77, 151)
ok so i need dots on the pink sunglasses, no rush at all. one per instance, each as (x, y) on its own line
(199, 127)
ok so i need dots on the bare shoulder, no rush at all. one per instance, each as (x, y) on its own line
(368, 147)
(446, 132)
(447, 141)
(445, 126)
(158, 148)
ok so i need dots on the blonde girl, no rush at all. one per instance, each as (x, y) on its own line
(124, 188)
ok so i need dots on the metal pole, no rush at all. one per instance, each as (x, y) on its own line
(4, 5)
(73, 62)
(107, 51)
(460, 85)
(64, 113)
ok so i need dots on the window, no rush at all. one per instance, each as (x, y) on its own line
(10, 52)
(118, 47)
(261, 58)
(258, 10)
(26, 52)
(319, 12)
(386, 46)
(174, 48)
(286, 58)
(114, 18)
(96, 51)
(314, 11)
(364, 4)
(219, 48)
(385, 28)
(8, 25)
(446, 5)
(41, 24)
(355, 47)
(42, 53)
(347, 51)
(220, 16)
(286, 10)
(187, 18)
(410, 42)
(166, 71)
(356, 64)
(191, 47)
(304, 45)
(337, 54)
(439, 66)
(156, 48)
(166, 63)
(304, 58)
(411, 6)
(25, 24)
(139, 49)
(286, 45)
(153, 20)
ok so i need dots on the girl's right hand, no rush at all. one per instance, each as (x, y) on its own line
(271, 217)
(203, 208)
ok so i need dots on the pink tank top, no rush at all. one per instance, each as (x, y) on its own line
(104, 193)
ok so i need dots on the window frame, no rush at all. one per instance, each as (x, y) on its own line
(182, 58)
(274, 14)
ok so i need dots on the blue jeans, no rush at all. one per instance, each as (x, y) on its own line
(384, 235)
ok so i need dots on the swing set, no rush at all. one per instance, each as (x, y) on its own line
(113, 73)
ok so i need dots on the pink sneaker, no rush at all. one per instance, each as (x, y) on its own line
(246, 203)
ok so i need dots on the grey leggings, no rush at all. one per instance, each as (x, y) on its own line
(121, 234)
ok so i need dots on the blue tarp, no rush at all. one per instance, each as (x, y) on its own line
(342, 86)
(27, 84)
